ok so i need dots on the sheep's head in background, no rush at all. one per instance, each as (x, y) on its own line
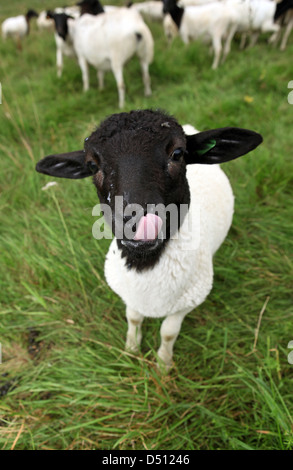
(61, 24)
(31, 14)
(141, 156)
(93, 7)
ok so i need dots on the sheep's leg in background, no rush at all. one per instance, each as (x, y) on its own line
(253, 39)
(184, 38)
(243, 41)
(59, 62)
(217, 46)
(85, 72)
(18, 42)
(227, 46)
(118, 74)
(286, 35)
(134, 335)
(100, 75)
(170, 329)
(146, 78)
(274, 38)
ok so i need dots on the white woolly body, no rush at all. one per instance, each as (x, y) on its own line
(106, 46)
(205, 22)
(16, 27)
(183, 276)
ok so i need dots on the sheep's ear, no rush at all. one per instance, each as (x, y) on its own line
(220, 145)
(65, 165)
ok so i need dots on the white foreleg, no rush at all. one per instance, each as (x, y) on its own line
(170, 329)
(134, 335)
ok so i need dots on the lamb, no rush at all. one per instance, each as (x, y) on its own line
(158, 187)
(63, 19)
(64, 26)
(107, 41)
(18, 27)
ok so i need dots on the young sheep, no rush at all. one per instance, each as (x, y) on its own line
(107, 41)
(64, 27)
(157, 263)
(213, 22)
(18, 27)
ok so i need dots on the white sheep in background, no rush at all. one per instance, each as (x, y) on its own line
(253, 17)
(213, 23)
(18, 27)
(156, 262)
(107, 41)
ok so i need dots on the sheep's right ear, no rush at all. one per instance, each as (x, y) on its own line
(65, 165)
(220, 145)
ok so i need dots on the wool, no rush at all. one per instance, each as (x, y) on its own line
(183, 277)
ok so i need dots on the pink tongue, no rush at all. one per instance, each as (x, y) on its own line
(148, 228)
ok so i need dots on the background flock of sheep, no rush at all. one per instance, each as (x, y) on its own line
(109, 40)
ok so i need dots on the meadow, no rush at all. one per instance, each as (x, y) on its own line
(65, 380)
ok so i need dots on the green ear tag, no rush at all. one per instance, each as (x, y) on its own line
(208, 146)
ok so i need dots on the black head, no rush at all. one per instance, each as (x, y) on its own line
(31, 14)
(176, 12)
(92, 7)
(282, 7)
(61, 23)
(138, 162)
(169, 5)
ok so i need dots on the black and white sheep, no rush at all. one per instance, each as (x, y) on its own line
(107, 41)
(64, 27)
(18, 27)
(161, 260)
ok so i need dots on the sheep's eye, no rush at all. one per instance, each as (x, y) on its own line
(92, 166)
(177, 154)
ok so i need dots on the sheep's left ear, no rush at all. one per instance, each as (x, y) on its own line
(65, 165)
(220, 145)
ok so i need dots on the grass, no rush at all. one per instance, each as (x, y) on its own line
(65, 380)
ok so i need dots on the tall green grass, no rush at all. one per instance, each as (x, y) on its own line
(65, 380)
